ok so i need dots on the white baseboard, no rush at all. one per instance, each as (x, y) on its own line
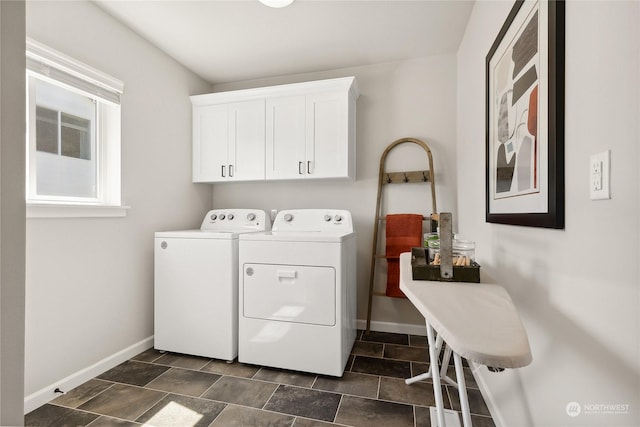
(398, 328)
(46, 394)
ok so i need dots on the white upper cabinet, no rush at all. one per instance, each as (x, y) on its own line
(295, 131)
(328, 141)
(246, 140)
(228, 141)
(286, 135)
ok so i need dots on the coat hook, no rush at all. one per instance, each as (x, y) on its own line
(406, 178)
(388, 179)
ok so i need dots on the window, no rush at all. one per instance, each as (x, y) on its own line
(73, 137)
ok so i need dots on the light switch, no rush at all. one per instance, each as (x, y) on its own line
(599, 174)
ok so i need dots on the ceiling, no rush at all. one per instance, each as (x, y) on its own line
(236, 40)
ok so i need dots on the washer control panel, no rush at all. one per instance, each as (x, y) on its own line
(313, 220)
(236, 220)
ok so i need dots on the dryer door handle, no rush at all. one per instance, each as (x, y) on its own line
(286, 274)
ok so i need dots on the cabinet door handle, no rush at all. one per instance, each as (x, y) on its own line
(230, 171)
(300, 168)
(309, 167)
(222, 171)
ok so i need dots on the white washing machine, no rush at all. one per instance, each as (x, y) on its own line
(298, 292)
(196, 284)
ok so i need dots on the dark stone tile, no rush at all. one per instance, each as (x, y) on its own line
(53, 415)
(241, 391)
(148, 355)
(350, 383)
(285, 377)
(235, 369)
(175, 410)
(123, 401)
(182, 361)
(469, 379)
(423, 416)
(364, 348)
(419, 368)
(238, 416)
(384, 367)
(82, 393)
(319, 405)
(386, 337)
(304, 422)
(361, 412)
(103, 421)
(476, 401)
(350, 360)
(465, 363)
(480, 421)
(134, 373)
(420, 393)
(184, 381)
(417, 341)
(400, 352)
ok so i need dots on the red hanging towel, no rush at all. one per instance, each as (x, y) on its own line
(403, 232)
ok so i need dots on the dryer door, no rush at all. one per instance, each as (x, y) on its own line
(290, 293)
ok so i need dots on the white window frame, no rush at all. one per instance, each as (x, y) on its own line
(56, 68)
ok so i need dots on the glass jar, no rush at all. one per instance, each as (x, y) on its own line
(433, 248)
(464, 252)
(429, 237)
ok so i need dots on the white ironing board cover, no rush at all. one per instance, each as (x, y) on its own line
(477, 320)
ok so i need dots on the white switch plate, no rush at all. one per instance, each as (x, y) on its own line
(599, 174)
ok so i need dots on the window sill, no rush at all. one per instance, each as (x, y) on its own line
(51, 210)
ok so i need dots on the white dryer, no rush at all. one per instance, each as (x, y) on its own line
(196, 284)
(298, 292)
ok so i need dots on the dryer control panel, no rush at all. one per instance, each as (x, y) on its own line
(320, 220)
(236, 220)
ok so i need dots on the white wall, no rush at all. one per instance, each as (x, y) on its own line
(413, 98)
(90, 281)
(577, 289)
(12, 211)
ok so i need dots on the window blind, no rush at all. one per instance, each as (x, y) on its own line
(50, 63)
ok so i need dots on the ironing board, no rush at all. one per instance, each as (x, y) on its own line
(477, 321)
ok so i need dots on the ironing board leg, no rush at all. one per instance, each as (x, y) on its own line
(462, 390)
(427, 374)
(433, 362)
(445, 361)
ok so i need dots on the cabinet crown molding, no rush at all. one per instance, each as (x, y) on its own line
(317, 86)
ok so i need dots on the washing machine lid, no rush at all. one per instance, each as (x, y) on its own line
(298, 236)
(197, 234)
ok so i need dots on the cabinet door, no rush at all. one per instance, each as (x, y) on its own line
(285, 138)
(210, 143)
(327, 142)
(247, 137)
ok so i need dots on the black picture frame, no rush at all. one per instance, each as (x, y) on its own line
(504, 204)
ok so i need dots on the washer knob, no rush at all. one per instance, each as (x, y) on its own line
(230, 217)
(338, 218)
(288, 217)
(213, 217)
(251, 216)
(221, 217)
(327, 218)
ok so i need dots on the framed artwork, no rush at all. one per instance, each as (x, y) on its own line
(525, 117)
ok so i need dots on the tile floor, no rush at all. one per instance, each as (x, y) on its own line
(168, 389)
